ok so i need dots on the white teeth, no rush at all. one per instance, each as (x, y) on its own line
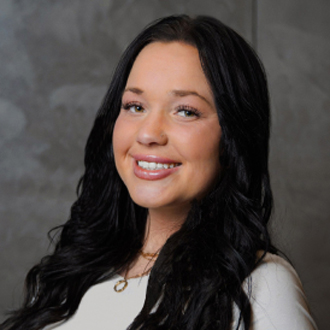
(143, 164)
(155, 166)
(152, 166)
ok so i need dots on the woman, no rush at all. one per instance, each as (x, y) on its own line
(170, 227)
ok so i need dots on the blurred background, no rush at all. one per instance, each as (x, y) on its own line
(57, 58)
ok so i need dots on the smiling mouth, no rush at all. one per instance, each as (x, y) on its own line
(153, 166)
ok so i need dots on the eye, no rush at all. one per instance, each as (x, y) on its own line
(133, 107)
(188, 112)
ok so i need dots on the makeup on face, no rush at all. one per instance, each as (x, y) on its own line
(167, 136)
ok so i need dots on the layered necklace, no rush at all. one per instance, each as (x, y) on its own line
(121, 285)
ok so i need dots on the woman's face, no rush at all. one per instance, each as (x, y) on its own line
(167, 135)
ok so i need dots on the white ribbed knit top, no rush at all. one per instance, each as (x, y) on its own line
(278, 302)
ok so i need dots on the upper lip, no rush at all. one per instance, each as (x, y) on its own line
(155, 159)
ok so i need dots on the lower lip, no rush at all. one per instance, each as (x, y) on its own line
(155, 174)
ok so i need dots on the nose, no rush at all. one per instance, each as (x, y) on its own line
(152, 130)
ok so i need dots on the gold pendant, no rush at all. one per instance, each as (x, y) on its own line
(124, 282)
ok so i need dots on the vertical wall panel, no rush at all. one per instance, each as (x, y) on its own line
(56, 62)
(294, 44)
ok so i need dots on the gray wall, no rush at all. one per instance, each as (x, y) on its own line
(56, 62)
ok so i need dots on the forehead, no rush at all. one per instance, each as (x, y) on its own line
(173, 65)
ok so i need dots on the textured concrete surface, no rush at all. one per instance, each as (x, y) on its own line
(294, 43)
(57, 58)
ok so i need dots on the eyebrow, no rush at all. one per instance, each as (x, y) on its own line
(186, 93)
(175, 92)
(134, 90)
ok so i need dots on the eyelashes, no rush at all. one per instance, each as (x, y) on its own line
(188, 111)
(133, 106)
(185, 111)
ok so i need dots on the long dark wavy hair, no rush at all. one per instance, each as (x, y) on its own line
(198, 275)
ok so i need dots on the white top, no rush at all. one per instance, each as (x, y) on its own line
(278, 302)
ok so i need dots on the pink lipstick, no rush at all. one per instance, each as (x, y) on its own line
(151, 167)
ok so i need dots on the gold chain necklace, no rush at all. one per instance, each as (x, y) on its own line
(124, 282)
(121, 285)
(149, 256)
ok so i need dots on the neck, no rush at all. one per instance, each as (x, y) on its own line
(161, 224)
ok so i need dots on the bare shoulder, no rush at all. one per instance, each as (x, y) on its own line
(277, 296)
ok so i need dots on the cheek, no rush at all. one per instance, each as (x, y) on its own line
(202, 146)
(205, 153)
(119, 142)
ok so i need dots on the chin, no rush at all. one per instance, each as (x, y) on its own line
(153, 200)
(149, 203)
